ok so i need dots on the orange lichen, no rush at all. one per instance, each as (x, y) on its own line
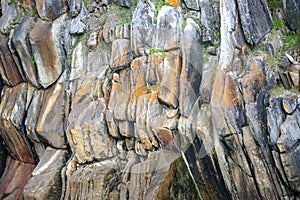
(174, 3)
(231, 95)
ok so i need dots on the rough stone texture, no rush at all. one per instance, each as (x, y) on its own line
(256, 19)
(50, 129)
(50, 10)
(14, 179)
(47, 51)
(8, 68)
(45, 182)
(149, 110)
(21, 43)
(292, 11)
(9, 12)
(12, 111)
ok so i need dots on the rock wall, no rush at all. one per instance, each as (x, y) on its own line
(149, 100)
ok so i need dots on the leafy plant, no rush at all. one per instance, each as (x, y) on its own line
(35, 12)
(22, 14)
(163, 53)
(85, 3)
(278, 24)
(290, 41)
(11, 2)
(183, 25)
(160, 4)
(16, 21)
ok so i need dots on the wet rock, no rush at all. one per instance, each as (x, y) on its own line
(8, 68)
(16, 175)
(46, 182)
(78, 24)
(256, 19)
(191, 72)
(51, 129)
(143, 15)
(121, 55)
(292, 11)
(45, 39)
(21, 42)
(75, 8)
(50, 10)
(12, 111)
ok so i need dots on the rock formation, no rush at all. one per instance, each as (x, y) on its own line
(150, 100)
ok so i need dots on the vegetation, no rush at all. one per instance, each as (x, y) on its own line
(16, 21)
(274, 4)
(85, 3)
(280, 91)
(163, 53)
(183, 25)
(11, 2)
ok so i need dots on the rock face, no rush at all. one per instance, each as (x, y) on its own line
(175, 105)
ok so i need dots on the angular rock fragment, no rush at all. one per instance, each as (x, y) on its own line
(78, 24)
(14, 179)
(45, 39)
(21, 43)
(12, 113)
(50, 10)
(46, 182)
(121, 55)
(292, 11)
(8, 68)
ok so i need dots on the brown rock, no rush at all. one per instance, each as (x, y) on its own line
(46, 181)
(46, 52)
(50, 124)
(14, 179)
(121, 55)
(12, 111)
(8, 68)
(50, 10)
(169, 86)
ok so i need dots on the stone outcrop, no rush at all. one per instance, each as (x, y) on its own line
(176, 105)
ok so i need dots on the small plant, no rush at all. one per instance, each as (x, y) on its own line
(290, 41)
(205, 58)
(183, 25)
(163, 53)
(11, 2)
(16, 21)
(22, 14)
(85, 3)
(218, 44)
(278, 24)
(160, 4)
(35, 12)
(148, 90)
(280, 91)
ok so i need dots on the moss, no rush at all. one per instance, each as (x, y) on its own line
(11, 2)
(148, 90)
(163, 53)
(183, 25)
(280, 91)
(16, 21)
(291, 41)
(85, 3)
(274, 4)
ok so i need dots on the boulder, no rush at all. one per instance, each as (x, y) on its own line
(21, 43)
(12, 113)
(292, 12)
(50, 10)
(45, 39)
(46, 180)
(8, 68)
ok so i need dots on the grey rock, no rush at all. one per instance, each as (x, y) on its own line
(143, 15)
(51, 129)
(125, 3)
(12, 113)
(292, 11)
(121, 55)
(207, 22)
(46, 182)
(285, 62)
(78, 24)
(50, 10)
(75, 8)
(192, 63)
(21, 42)
(45, 39)
(9, 12)
(192, 4)
(256, 19)
(109, 28)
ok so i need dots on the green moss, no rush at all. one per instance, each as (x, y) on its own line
(278, 24)
(280, 91)
(274, 4)
(160, 4)
(183, 25)
(290, 41)
(163, 53)
(11, 2)
(16, 21)
(85, 3)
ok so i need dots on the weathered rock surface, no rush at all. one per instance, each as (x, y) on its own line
(155, 109)
(8, 68)
(292, 11)
(46, 182)
(45, 39)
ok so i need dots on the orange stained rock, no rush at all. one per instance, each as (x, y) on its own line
(218, 86)
(231, 95)
(174, 3)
